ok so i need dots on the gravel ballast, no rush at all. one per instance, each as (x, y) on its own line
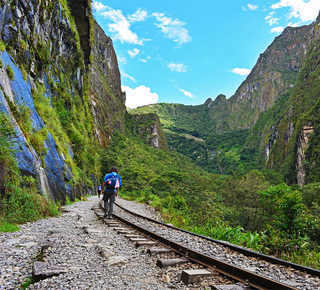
(89, 254)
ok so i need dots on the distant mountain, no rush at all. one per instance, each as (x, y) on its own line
(270, 122)
(273, 75)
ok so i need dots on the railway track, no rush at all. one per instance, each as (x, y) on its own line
(251, 269)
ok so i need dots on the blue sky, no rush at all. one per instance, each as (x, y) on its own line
(186, 51)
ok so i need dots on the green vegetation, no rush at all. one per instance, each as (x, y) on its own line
(256, 210)
(219, 187)
(10, 72)
(2, 46)
(20, 200)
(27, 283)
(190, 131)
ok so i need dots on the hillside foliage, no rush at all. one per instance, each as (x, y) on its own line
(255, 209)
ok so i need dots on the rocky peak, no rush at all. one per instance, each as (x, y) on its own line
(208, 102)
(274, 74)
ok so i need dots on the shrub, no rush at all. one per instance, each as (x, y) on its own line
(2, 46)
(10, 72)
(20, 201)
(37, 140)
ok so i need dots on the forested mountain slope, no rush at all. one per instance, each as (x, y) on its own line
(242, 133)
(295, 149)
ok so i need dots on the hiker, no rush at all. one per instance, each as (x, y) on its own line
(110, 189)
(99, 190)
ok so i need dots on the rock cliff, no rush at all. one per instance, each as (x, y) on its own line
(107, 99)
(274, 74)
(60, 88)
(295, 149)
(148, 127)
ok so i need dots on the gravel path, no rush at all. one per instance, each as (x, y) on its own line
(77, 238)
(78, 245)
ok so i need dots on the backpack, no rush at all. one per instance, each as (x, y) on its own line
(111, 182)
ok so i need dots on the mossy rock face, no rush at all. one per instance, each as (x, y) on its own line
(296, 148)
(106, 98)
(148, 128)
(46, 55)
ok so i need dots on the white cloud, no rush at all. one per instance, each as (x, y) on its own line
(120, 26)
(241, 71)
(121, 59)
(293, 24)
(188, 94)
(252, 6)
(302, 9)
(172, 29)
(178, 67)
(139, 96)
(127, 76)
(138, 16)
(145, 59)
(98, 6)
(270, 19)
(133, 52)
(278, 29)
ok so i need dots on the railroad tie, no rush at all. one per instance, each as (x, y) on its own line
(163, 263)
(158, 251)
(229, 287)
(112, 223)
(119, 229)
(125, 232)
(129, 236)
(191, 276)
(145, 243)
(100, 214)
(138, 239)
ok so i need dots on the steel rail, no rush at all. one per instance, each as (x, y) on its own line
(256, 281)
(238, 249)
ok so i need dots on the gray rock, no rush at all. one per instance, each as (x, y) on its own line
(116, 261)
(42, 270)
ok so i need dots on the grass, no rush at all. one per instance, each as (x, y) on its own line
(10, 72)
(8, 227)
(2, 46)
(27, 283)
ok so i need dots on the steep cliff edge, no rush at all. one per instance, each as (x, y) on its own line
(60, 88)
(147, 127)
(295, 150)
(107, 99)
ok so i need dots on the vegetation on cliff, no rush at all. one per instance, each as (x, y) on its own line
(20, 199)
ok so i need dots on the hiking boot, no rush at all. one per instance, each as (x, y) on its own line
(105, 215)
(110, 217)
